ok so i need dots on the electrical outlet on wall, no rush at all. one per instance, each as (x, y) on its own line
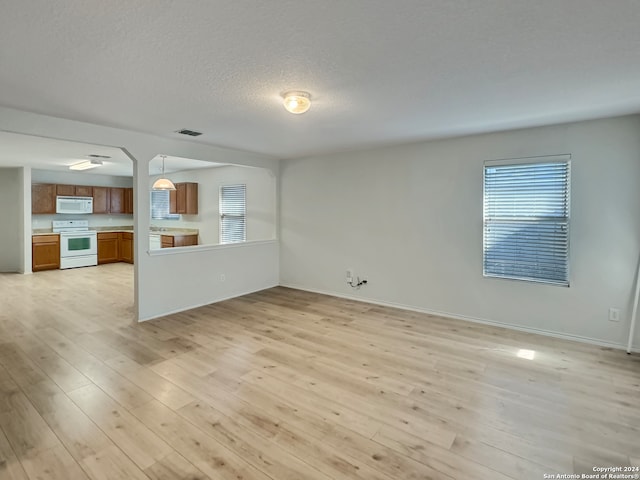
(350, 275)
(614, 314)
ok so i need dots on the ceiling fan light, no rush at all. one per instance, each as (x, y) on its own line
(296, 102)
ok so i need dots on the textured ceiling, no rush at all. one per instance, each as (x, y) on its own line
(379, 71)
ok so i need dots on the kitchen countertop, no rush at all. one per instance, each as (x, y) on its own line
(124, 228)
(169, 232)
(174, 232)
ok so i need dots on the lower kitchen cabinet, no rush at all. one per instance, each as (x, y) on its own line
(45, 252)
(115, 247)
(108, 247)
(126, 247)
(170, 241)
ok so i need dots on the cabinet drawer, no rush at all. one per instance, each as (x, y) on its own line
(108, 236)
(45, 239)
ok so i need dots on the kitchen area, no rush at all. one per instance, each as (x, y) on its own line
(70, 205)
(85, 225)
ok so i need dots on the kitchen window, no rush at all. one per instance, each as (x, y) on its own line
(526, 219)
(233, 225)
(160, 206)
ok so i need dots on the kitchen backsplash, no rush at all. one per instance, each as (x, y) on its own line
(44, 221)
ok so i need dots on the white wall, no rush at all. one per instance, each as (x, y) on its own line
(80, 178)
(260, 201)
(227, 270)
(11, 244)
(409, 220)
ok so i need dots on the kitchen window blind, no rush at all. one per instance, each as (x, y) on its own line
(160, 206)
(233, 227)
(526, 219)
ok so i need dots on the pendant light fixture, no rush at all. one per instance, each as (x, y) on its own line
(297, 102)
(163, 183)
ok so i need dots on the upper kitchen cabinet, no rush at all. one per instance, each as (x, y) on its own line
(128, 201)
(184, 199)
(66, 190)
(101, 199)
(74, 190)
(117, 203)
(43, 198)
(112, 200)
(84, 191)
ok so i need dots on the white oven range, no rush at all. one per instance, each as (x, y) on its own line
(78, 244)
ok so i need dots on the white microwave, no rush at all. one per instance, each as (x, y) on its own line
(74, 205)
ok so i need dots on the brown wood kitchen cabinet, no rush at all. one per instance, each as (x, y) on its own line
(105, 199)
(43, 198)
(74, 190)
(101, 199)
(170, 241)
(128, 201)
(116, 204)
(115, 247)
(45, 252)
(66, 190)
(126, 247)
(108, 247)
(184, 199)
(84, 191)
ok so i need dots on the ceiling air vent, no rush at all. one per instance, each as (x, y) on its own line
(95, 155)
(191, 133)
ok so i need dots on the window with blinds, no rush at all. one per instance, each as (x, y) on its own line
(233, 225)
(526, 219)
(160, 206)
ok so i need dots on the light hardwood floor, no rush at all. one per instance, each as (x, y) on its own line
(289, 385)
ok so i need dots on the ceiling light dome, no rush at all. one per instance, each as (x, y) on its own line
(296, 102)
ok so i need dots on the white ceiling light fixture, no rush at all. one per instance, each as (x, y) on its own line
(86, 164)
(163, 183)
(297, 101)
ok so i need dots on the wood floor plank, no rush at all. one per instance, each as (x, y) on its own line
(152, 383)
(127, 432)
(208, 455)
(260, 452)
(10, 467)
(111, 464)
(174, 466)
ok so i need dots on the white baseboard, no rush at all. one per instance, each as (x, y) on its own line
(484, 321)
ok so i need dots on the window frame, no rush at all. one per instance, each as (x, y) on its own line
(541, 160)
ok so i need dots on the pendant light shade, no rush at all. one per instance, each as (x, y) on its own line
(163, 183)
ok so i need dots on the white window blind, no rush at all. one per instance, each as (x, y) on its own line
(526, 219)
(160, 206)
(233, 226)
